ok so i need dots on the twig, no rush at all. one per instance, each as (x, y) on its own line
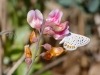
(5, 32)
(1, 49)
(81, 24)
(3, 24)
(54, 63)
(37, 46)
(16, 65)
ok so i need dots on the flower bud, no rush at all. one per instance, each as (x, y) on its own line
(28, 52)
(28, 61)
(46, 55)
(33, 37)
(47, 46)
(56, 51)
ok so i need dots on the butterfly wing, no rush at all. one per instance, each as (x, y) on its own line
(80, 39)
(69, 42)
(73, 41)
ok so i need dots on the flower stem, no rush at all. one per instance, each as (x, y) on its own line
(37, 46)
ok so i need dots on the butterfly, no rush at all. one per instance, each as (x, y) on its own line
(72, 41)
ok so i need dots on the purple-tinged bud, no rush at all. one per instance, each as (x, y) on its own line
(47, 46)
(28, 61)
(46, 55)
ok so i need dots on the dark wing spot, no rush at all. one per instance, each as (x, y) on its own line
(75, 44)
(73, 40)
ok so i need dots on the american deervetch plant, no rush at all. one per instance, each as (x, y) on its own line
(53, 28)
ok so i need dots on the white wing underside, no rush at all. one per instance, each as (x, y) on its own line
(73, 41)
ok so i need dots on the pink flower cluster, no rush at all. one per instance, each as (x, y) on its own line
(51, 26)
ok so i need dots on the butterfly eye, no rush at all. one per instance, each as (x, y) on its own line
(33, 37)
(28, 52)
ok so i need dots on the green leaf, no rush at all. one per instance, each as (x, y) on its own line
(35, 67)
(22, 34)
(38, 6)
(24, 10)
(24, 22)
(14, 19)
(15, 54)
(21, 70)
(10, 7)
(79, 1)
(46, 73)
(19, 13)
(65, 3)
(81, 8)
(93, 5)
(14, 2)
(38, 66)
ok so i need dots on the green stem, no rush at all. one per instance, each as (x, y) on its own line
(37, 46)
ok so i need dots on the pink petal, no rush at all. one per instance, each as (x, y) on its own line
(39, 16)
(58, 31)
(59, 27)
(58, 37)
(63, 32)
(60, 34)
(55, 16)
(48, 31)
(42, 54)
(30, 17)
(35, 19)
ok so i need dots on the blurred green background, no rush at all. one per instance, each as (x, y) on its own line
(83, 17)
